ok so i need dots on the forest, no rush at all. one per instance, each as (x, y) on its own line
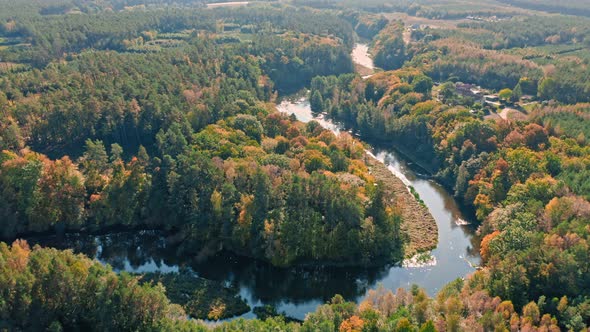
(149, 140)
(142, 115)
(515, 175)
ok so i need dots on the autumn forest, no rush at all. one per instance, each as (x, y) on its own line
(234, 153)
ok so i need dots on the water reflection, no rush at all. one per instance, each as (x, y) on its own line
(273, 285)
(297, 291)
(151, 251)
(136, 252)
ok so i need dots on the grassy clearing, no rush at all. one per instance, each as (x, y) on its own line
(157, 45)
(550, 53)
(458, 7)
(433, 23)
(175, 35)
(237, 35)
(362, 70)
(418, 223)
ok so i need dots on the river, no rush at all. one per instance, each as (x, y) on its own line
(360, 55)
(297, 291)
(457, 252)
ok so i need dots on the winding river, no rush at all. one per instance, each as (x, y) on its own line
(297, 291)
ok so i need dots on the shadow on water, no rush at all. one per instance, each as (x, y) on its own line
(300, 290)
(136, 252)
(297, 285)
(297, 291)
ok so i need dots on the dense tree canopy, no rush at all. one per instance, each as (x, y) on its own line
(524, 182)
(165, 145)
(128, 114)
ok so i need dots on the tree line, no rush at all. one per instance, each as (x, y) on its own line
(57, 290)
(185, 140)
(524, 182)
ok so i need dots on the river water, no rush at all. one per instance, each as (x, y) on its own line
(457, 253)
(360, 55)
(297, 291)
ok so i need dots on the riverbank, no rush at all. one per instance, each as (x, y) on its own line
(418, 223)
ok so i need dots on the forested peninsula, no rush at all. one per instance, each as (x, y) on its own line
(160, 117)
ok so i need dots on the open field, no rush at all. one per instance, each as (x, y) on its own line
(547, 54)
(410, 20)
(228, 4)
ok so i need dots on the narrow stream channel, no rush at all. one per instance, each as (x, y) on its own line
(298, 291)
